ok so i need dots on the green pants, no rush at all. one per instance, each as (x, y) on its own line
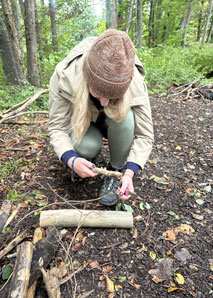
(120, 137)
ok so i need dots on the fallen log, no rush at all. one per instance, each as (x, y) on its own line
(21, 274)
(46, 249)
(38, 235)
(13, 244)
(4, 213)
(86, 218)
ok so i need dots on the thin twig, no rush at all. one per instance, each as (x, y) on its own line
(24, 113)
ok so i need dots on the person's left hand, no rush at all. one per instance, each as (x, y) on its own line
(126, 186)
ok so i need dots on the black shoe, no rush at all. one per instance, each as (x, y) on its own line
(108, 191)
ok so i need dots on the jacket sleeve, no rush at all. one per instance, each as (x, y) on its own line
(60, 111)
(143, 137)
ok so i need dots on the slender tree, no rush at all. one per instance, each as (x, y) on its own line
(8, 62)
(208, 16)
(53, 24)
(108, 6)
(114, 14)
(186, 22)
(30, 33)
(151, 23)
(210, 32)
(200, 21)
(139, 24)
(130, 16)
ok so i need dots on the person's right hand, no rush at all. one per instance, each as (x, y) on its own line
(82, 167)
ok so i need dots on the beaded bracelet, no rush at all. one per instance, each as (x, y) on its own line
(73, 161)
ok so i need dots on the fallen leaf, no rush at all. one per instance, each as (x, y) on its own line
(152, 255)
(170, 235)
(199, 202)
(94, 265)
(152, 177)
(178, 147)
(154, 277)
(112, 295)
(107, 268)
(186, 229)
(193, 267)
(197, 216)
(76, 246)
(135, 285)
(79, 236)
(153, 161)
(163, 271)
(160, 180)
(183, 255)
(135, 234)
(179, 278)
(211, 264)
(109, 285)
(118, 287)
(171, 289)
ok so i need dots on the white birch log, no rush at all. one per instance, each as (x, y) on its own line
(86, 218)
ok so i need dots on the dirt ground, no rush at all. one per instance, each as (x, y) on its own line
(169, 253)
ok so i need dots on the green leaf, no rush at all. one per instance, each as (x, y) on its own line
(208, 188)
(121, 278)
(37, 213)
(172, 213)
(127, 208)
(152, 255)
(199, 202)
(6, 272)
(147, 206)
(141, 206)
(118, 207)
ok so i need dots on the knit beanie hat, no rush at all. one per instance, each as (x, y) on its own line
(109, 65)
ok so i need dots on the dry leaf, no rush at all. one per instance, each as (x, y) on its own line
(107, 268)
(179, 278)
(84, 240)
(193, 267)
(117, 287)
(111, 295)
(186, 229)
(109, 284)
(154, 277)
(183, 255)
(135, 234)
(152, 255)
(197, 216)
(171, 289)
(170, 235)
(79, 236)
(135, 285)
(94, 265)
(76, 246)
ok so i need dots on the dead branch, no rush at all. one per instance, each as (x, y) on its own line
(87, 218)
(45, 279)
(25, 104)
(13, 244)
(24, 113)
(21, 274)
(105, 172)
(13, 214)
(38, 235)
(4, 213)
(189, 85)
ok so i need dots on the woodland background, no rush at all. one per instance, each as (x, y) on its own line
(174, 40)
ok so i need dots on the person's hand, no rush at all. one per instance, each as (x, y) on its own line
(82, 167)
(126, 186)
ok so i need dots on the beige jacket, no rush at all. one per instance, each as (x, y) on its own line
(63, 86)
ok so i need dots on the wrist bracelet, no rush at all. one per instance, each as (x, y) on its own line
(73, 161)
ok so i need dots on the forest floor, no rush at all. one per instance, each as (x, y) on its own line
(169, 253)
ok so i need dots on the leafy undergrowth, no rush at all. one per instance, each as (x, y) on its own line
(169, 252)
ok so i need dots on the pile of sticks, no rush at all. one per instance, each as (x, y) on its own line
(194, 90)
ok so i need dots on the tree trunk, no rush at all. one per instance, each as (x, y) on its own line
(21, 3)
(30, 33)
(114, 14)
(108, 14)
(200, 21)
(151, 23)
(8, 62)
(130, 16)
(207, 22)
(53, 24)
(186, 22)
(139, 24)
(210, 32)
(14, 38)
(17, 19)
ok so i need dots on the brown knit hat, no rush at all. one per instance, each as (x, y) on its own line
(109, 64)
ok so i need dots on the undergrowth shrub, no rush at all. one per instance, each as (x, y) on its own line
(166, 65)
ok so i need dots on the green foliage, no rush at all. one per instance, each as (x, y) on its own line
(165, 65)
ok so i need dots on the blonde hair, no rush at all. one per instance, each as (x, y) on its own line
(81, 117)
